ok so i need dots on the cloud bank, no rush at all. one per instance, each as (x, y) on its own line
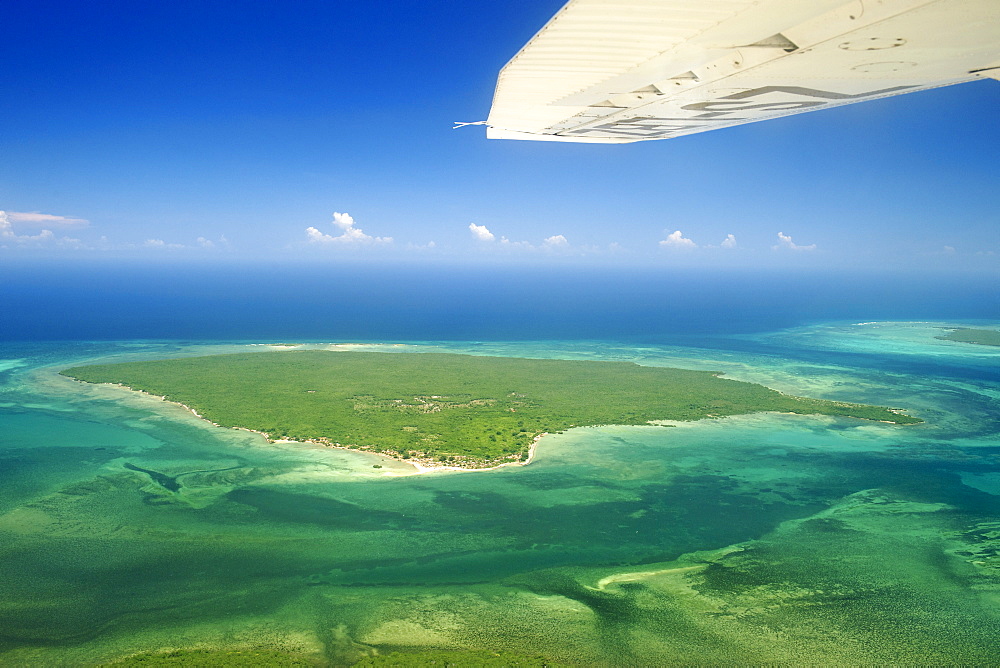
(349, 233)
(45, 237)
(785, 243)
(677, 240)
(483, 234)
(34, 218)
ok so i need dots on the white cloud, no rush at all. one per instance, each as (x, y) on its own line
(522, 245)
(34, 218)
(350, 234)
(343, 220)
(7, 234)
(949, 250)
(160, 243)
(677, 240)
(44, 235)
(728, 242)
(555, 242)
(205, 243)
(481, 233)
(785, 242)
(315, 236)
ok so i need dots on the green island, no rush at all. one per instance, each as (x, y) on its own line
(459, 410)
(983, 337)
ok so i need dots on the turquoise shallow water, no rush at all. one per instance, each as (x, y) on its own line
(127, 525)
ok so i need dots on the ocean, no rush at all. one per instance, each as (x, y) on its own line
(128, 526)
(243, 301)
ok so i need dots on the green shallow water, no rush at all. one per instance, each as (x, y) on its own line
(129, 526)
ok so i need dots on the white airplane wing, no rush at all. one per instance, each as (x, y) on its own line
(617, 71)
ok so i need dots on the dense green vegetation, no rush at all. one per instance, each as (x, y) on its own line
(456, 659)
(984, 337)
(462, 409)
(204, 658)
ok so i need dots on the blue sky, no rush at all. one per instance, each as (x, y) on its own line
(173, 131)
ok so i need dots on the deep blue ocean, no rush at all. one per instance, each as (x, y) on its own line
(246, 301)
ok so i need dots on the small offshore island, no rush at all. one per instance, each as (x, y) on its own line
(445, 409)
(982, 337)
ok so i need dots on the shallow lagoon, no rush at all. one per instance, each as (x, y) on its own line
(128, 525)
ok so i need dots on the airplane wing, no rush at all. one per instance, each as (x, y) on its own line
(618, 71)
